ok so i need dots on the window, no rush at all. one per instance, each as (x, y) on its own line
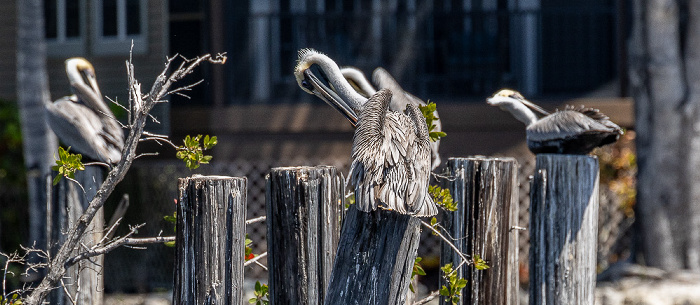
(116, 24)
(63, 26)
(113, 25)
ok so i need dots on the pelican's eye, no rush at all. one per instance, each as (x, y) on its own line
(306, 84)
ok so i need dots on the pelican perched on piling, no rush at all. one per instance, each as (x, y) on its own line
(391, 149)
(383, 80)
(570, 131)
(83, 120)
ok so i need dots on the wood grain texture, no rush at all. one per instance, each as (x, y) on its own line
(486, 192)
(66, 205)
(563, 229)
(210, 242)
(375, 258)
(304, 208)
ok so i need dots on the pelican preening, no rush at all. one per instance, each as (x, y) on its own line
(569, 131)
(83, 120)
(383, 80)
(358, 81)
(391, 149)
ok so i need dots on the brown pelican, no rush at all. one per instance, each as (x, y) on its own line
(569, 131)
(401, 98)
(358, 81)
(83, 120)
(391, 149)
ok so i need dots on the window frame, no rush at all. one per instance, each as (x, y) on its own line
(121, 43)
(63, 46)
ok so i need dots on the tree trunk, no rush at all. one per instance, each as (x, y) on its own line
(665, 87)
(39, 143)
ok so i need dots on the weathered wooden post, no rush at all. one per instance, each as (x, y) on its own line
(66, 204)
(375, 258)
(304, 208)
(210, 242)
(563, 229)
(486, 193)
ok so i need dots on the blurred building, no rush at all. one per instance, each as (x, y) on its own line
(452, 52)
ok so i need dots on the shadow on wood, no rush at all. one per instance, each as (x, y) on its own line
(375, 258)
(304, 209)
(486, 192)
(563, 229)
(210, 241)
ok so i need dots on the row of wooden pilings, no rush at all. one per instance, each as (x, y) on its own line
(311, 260)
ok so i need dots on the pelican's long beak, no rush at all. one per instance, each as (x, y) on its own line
(328, 95)
(90, 80)
(499, 99)
(534, 107)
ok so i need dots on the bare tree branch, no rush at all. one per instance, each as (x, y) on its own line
(255, 260)
(255, 220)
(428, 298)
(465, 260)
(139, 108)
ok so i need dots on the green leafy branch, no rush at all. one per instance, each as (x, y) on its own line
(171, 219)
(14, 299)
(262, 294)
(417, 270)
(453, 290)
(479, 263)
(192, 153)
(442, 197)
(67, 164)
(248, 249)
(429, 114)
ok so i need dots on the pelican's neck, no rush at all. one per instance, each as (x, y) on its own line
(520, 112)
(336, 79)
(355, 75)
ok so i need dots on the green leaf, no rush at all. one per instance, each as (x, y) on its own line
(442, 197)
(171, 219)
(420, 271)
(444, 291)
(169, 244)
(67, 164)
(446, 268)
(479, 263)
(192, 153)
(212, 142)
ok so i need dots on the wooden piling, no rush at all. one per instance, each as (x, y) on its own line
(375, 258)
(84, 281)
(304, 208)
(563, 229)
(210, 240)
(486, 193)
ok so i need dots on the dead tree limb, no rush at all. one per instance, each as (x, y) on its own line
(139, 107)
